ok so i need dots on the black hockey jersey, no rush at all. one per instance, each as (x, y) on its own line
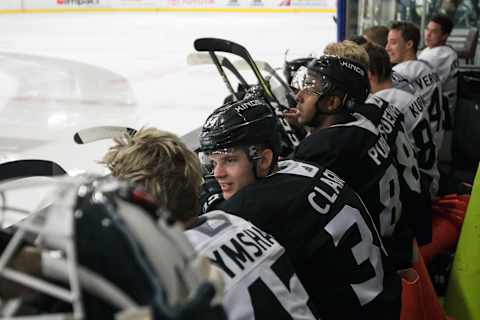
(373, 154)
(328, 235)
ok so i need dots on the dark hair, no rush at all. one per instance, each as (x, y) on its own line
(444, 21)
(409, 31)
(377, 35)
(379, 62)
(360, 40)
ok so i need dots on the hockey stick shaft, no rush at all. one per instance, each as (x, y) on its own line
(196, 58)
(214, 58)
(229, 65)
(263, 65)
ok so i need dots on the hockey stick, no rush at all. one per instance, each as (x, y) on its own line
(291, 141)
(196, 58)
(263, 65)
(214, 58)
(222, 45)
(93, 134)
(30, 168)
(192, 139)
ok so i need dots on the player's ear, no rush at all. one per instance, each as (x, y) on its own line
(333, 103)
(444, 37)
(409, 44)
(265, 162)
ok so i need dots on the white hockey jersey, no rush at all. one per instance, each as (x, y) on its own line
(427, 85)
(444, 60)
(259, 280)
(418, 130)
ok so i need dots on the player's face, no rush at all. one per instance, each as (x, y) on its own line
(233, 171)
(306, 105)
(434, 36)
(396, 46)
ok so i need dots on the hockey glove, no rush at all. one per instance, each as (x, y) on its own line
(210, 195)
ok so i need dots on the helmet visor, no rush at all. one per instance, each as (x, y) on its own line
(310, 82)
(226, 157)
(209, 159)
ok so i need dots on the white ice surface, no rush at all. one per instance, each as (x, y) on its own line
(60, 73)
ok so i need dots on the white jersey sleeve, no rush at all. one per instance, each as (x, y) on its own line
(427, 85)
(444, 60)
(418, 130)
(259, 280)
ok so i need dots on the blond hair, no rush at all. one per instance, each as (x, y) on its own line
(349, 50)
(163, 165)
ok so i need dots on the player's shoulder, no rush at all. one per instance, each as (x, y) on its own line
(399, 98)
(438, 53)
(412, 69)
(328, 144)
(215, 227)
(401, 82)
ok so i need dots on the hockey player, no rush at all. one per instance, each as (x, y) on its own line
(323, 225)
(402, 45)
(444, 60)
(344, 129)
(415, 120)
(260, 282)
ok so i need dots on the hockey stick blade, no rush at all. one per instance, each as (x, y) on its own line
(30, 168)
(192, 139)
(93, 134)
(222, 45)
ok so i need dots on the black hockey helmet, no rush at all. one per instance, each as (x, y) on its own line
(246, 123)
(333, 75)
(291, 67)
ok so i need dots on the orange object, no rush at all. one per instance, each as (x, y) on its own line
(431, 305)
(444, 237)
(419, 299)
(448, 214)
(412, 308)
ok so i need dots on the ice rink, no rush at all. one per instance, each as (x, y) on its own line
(63, 72)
